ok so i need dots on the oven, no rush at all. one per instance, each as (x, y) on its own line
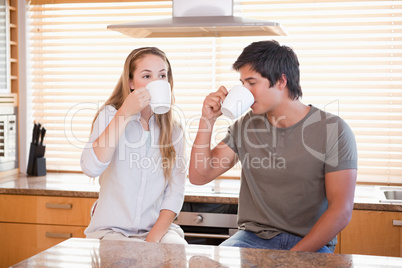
(8, 132)
(207, 223)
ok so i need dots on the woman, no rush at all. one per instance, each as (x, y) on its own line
(136, 155)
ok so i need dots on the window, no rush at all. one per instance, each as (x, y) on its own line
(350, 55)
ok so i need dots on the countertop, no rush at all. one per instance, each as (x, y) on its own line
(223, 191)
(84, 252)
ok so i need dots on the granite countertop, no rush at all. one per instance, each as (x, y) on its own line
(83, 252)
(223, 191)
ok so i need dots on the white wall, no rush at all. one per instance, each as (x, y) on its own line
(25, 104)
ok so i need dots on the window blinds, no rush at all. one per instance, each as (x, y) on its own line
(350, 54)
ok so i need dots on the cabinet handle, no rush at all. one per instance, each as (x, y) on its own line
(59, 206)
(397, 222)
(58, 235)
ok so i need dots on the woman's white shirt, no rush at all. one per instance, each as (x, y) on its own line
(132, 185)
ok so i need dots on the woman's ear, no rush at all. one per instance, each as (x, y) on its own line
(131, 84)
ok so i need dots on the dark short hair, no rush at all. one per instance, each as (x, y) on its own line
(271, 60)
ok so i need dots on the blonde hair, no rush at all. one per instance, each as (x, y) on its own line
(165, 121)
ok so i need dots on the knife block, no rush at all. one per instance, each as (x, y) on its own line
(36, 160)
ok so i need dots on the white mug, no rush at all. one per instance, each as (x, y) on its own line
(161, 96)
(237, 102)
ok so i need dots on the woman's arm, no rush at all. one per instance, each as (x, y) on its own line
(90, 164)
(161, 226)
(105, 145)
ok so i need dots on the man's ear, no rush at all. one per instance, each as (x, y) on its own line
(282, 81)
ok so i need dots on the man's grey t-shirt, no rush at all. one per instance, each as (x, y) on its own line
(283, 170)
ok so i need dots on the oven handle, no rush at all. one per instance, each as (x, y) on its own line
(201, 235)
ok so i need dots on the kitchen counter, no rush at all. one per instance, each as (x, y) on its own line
(223, 191)
(81, 252)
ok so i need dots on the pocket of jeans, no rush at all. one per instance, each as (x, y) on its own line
(288, 241)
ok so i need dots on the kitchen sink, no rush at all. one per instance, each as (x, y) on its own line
(395, 195)
(389, 194)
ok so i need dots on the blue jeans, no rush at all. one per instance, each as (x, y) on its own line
(283, 241)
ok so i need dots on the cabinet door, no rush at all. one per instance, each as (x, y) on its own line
(46, 209)
(372, 233)
(21, 241)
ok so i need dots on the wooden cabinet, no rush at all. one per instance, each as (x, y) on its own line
(13, 35)
(373, 233)
(31, 224)
(21, 241)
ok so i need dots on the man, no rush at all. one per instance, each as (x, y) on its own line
(298, 162)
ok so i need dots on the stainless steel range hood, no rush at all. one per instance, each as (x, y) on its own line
(193, 18)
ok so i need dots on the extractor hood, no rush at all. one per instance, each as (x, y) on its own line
(195, 18)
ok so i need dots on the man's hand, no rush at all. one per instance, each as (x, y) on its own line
(211, 108)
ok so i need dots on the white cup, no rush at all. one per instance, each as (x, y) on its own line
(160, 96)
(237, 102)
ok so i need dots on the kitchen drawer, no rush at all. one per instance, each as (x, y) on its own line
(45, 209)
(19, 241)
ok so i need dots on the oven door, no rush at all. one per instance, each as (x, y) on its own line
(207, 224)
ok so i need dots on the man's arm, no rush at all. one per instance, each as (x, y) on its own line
(207, 164)
(340, 189)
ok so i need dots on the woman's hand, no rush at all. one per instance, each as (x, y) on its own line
(136, 102)
(211, 108)
(161, 225)
(152, 238)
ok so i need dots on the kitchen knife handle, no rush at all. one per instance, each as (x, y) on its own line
(34, 133)
(38, 130)
(42, 135)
